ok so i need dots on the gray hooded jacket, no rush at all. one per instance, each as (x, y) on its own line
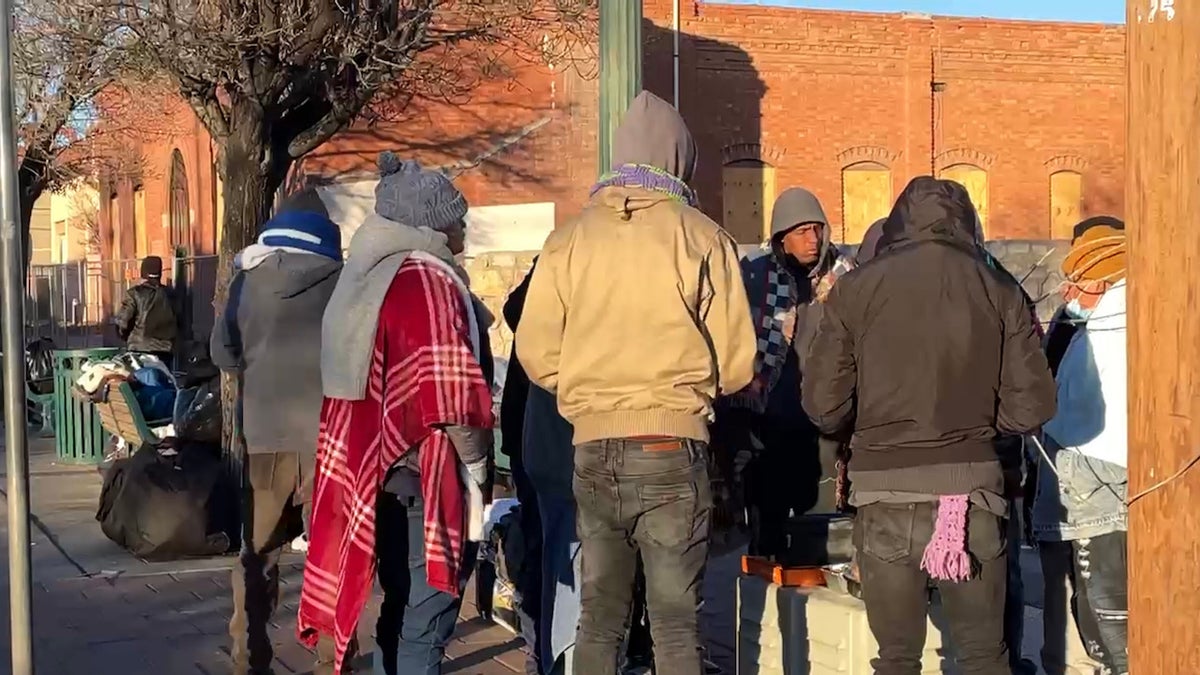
(652, 133)
(793, 207)
(270, 336)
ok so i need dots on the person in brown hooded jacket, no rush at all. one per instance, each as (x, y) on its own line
(928, 353)
(638, 320)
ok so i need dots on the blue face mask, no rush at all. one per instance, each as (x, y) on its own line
(1076, 311)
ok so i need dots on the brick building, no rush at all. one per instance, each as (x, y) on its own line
(1030, 116)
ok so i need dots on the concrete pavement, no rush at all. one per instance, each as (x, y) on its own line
(98, 610)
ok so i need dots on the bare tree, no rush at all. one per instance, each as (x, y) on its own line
(84, 223)
(62, 59)
(272, 80)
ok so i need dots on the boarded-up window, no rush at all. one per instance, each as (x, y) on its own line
(1066, 199)
(866, 197)
(748, 192)
(139, 222)
(975, 180)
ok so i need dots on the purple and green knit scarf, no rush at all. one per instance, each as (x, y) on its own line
(648, 178)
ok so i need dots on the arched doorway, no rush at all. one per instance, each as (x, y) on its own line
(975, 180)
(1066, 201)
(866, 197)
(748, 192)
(180, 209)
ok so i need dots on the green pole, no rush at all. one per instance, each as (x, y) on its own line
(620, 67)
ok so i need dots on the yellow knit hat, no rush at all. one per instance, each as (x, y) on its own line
(1098, 255)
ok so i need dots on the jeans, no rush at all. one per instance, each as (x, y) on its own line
(1062, 591)
(276, 483)
(890, 540)
(415, 621)
(648, 496)
(1101, 566)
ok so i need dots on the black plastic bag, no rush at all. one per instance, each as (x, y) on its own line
(162, 506)
(198, 413)
(196, 367)
(39, 365)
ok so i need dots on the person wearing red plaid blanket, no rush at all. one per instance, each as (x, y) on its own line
(405, 429)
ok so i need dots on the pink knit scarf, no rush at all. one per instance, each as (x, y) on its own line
(946, 556)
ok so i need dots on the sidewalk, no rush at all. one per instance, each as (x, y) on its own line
(100, 611)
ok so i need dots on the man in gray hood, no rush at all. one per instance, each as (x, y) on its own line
(793, 469)
(637, 320)
(270, 337)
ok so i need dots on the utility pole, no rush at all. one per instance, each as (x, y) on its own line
(620, 68)
(1162, 203)
(12, 322)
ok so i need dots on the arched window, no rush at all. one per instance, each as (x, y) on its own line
(1066, 202)
(180, 210)
(141, 243)
(975, 180)
(748, 192)
(866, 197)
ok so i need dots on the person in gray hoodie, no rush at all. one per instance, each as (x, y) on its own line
(792, 467)
(270, 338)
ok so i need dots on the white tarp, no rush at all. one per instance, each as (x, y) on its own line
(348, 204)
(512, 227)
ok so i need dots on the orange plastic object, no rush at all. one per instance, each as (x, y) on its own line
(803, 577)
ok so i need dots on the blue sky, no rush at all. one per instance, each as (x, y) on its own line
(1108, 11)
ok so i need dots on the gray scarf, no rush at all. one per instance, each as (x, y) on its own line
(377, 250)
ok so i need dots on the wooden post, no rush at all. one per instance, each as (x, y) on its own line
(1162, 196)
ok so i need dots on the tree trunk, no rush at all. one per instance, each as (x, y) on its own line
(252, 174)
(29, 190)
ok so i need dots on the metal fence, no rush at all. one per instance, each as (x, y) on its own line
(74, 303)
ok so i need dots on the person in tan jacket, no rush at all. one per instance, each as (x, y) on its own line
(638, 319)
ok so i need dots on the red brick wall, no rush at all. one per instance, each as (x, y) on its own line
(183, 132)
(809, 92)
(818, 91)
(526, 138)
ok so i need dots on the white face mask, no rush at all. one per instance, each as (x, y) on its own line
(1076, 311)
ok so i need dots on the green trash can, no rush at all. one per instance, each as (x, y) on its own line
(78, 436)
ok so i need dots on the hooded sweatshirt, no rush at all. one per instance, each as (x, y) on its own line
(1092, 417)
(271, 335)
(870, 242)
(781, 291)
(637, 317)
(927, 352)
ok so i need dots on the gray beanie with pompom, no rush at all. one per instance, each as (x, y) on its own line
(417, 197)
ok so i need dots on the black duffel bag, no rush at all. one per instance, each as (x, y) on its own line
(169, 505)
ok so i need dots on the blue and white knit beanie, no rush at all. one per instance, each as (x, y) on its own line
(417, 197)
(302, 223)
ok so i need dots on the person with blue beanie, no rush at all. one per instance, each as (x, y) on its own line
(269, 336)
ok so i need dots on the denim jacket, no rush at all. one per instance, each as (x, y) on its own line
(1084, 499)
